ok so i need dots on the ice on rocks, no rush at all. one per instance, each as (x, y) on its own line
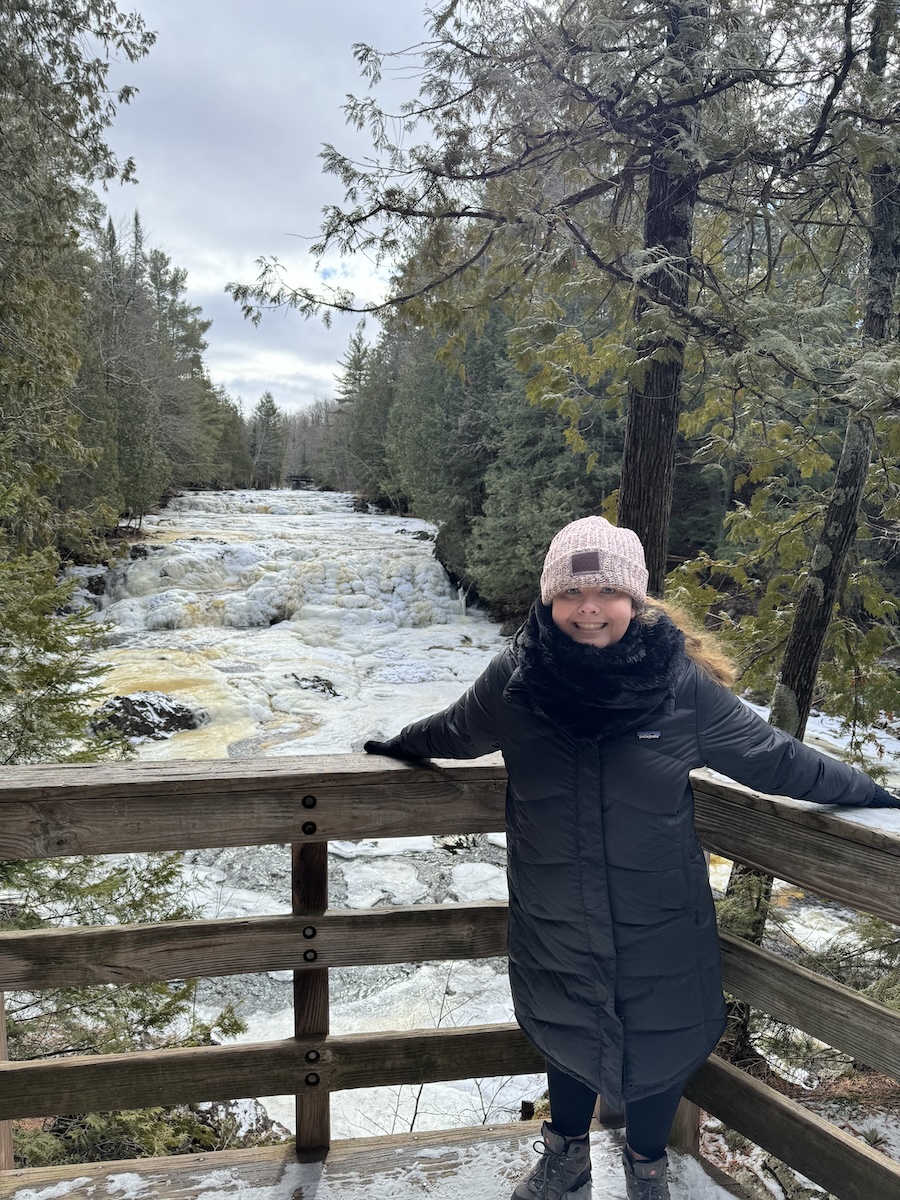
(390, 580)
(217, 896)
(241, 595)
(397, 882)
(479, 881)
(381, 847)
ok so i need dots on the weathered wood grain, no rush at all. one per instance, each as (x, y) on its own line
(351, 1165)
(99, 809)
(834, 1014)
(312, 1018)
(828, 819)
(106, 781)
(117, 1081)
(79, 957)
(105, 809)
(846, 1167)
(47, 811)
(814, 848)
(828, 1011)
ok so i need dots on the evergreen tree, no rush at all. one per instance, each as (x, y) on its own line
(634, 159)
(132, 366)
(267, 443)
(231, 466)
(66, 467)
(189, 416)
(533, 487)
(353, 367)
(440, 433)
(368, 423)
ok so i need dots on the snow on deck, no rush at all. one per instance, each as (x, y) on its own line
(470, 1164)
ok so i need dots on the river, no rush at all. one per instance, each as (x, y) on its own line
(294, 625)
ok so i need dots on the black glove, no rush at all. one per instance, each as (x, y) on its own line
(390, 748)
(883, 799)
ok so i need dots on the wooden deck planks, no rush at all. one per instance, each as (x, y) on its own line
(350, 1166)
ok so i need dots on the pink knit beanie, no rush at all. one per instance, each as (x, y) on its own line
(593, 553)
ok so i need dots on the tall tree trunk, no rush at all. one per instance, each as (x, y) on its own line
(651, 428)
(793, 694)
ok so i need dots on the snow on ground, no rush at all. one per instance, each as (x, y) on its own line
(482, 1170)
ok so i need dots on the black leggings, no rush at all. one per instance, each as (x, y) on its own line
(647, 1122)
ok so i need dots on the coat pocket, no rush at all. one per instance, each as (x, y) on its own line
(645, 897)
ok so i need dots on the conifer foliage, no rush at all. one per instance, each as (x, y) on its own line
(104, 402)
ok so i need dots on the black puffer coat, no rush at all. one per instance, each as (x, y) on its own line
(613, 948)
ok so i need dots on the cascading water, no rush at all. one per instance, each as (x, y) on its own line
(295, 625)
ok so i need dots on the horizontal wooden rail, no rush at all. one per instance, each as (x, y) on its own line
(306, 802)
(37, 959)
(79, 957)
(123, 1081)
(100, 809)
(103, 809)
(836, 1015)
(807, 845)
(843, 1165)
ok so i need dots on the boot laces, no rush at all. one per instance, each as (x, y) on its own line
(549, 1167)
(650, 1189)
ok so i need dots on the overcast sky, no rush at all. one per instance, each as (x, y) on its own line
(236, 99)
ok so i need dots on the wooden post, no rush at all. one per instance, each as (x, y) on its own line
(7, 1161)
(309, 896)
(607, 1116)
(685, 1135)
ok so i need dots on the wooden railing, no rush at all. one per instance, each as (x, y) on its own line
(305, 802)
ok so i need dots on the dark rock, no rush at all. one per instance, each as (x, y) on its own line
(96, 582)
(240, 1124)
(147, 715)
(315, 683)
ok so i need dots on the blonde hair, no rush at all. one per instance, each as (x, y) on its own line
(700, 645)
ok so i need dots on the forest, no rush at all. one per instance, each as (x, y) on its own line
(644, 261)
(106, 407)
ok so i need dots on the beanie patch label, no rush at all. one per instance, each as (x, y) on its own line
(586, 563)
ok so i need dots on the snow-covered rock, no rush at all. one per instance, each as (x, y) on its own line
(147, 715)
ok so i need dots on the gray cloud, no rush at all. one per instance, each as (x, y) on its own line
(235, 102)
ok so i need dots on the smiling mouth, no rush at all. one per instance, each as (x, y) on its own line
(590, 628)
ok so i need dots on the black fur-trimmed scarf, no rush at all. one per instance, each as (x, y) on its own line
(592, 690)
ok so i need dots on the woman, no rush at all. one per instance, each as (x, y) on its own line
(601, 707)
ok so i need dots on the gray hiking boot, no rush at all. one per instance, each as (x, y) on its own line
(565, 1166)
(646, 1180)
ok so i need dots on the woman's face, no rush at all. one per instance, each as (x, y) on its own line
(594, 616)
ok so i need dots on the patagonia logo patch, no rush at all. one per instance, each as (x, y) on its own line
(647, 734)
(585, 563)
